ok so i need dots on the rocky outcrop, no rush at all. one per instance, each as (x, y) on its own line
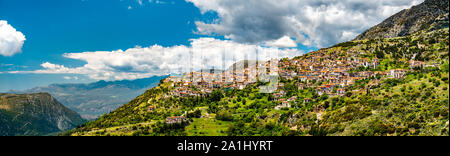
(429, 14)
(34, 114)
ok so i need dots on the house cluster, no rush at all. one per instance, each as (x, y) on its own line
(332, 69)
(420, 64)
(397, 73)
(416, 64)
(336, 71)
(326, 67)
(203, 83)
(286, 103)
(176, 120)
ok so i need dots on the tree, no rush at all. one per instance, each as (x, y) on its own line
(196, 114)
(216, 95)
(213, 108)
(224, 115)
(290, 88)
(324, 97)
(379, 54)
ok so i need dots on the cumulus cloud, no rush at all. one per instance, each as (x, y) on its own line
(316, 23)
(11, 40)
(141, 62)
(284, 42)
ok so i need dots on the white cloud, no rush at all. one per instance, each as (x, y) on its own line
(138, 62)
(70, 78)
(312, 22)
(11, 40)
(284, 42)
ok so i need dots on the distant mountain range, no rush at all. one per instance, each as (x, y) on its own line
(94, 99)
(240, 65)
(210, 71)
(431, 13)
(34, 114)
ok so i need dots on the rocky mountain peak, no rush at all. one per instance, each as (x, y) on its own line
(424, 16)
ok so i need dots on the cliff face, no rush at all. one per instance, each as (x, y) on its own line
(429, 14)
(34, 114)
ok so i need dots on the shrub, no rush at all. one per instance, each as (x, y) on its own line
(224, 115)
(196, 114)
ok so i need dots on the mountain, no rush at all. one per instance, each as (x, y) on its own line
(238, 66)
(210, 71)
(431, 13)
(241, 65)
(34, 114)
(372, 87)
(388, 99)
(94, 99)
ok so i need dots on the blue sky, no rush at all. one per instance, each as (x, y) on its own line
(67, 41)
(54, 27)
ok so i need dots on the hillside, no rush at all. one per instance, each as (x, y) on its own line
(95, 99)
(415, 103)
(34, 114)
(429, 14)
(394, 86)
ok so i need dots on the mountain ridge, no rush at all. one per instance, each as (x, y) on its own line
(409, 21)
(35, 114)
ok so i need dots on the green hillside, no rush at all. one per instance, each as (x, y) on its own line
(415, 103)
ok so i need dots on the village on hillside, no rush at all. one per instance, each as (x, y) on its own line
(335, 71)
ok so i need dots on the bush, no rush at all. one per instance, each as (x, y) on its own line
(213, 108)
(196, 114)
(216, 95)
(403, 89)
(224, 115)
(437, 83)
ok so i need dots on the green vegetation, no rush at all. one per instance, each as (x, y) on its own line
(207, 127)
(417, 104)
